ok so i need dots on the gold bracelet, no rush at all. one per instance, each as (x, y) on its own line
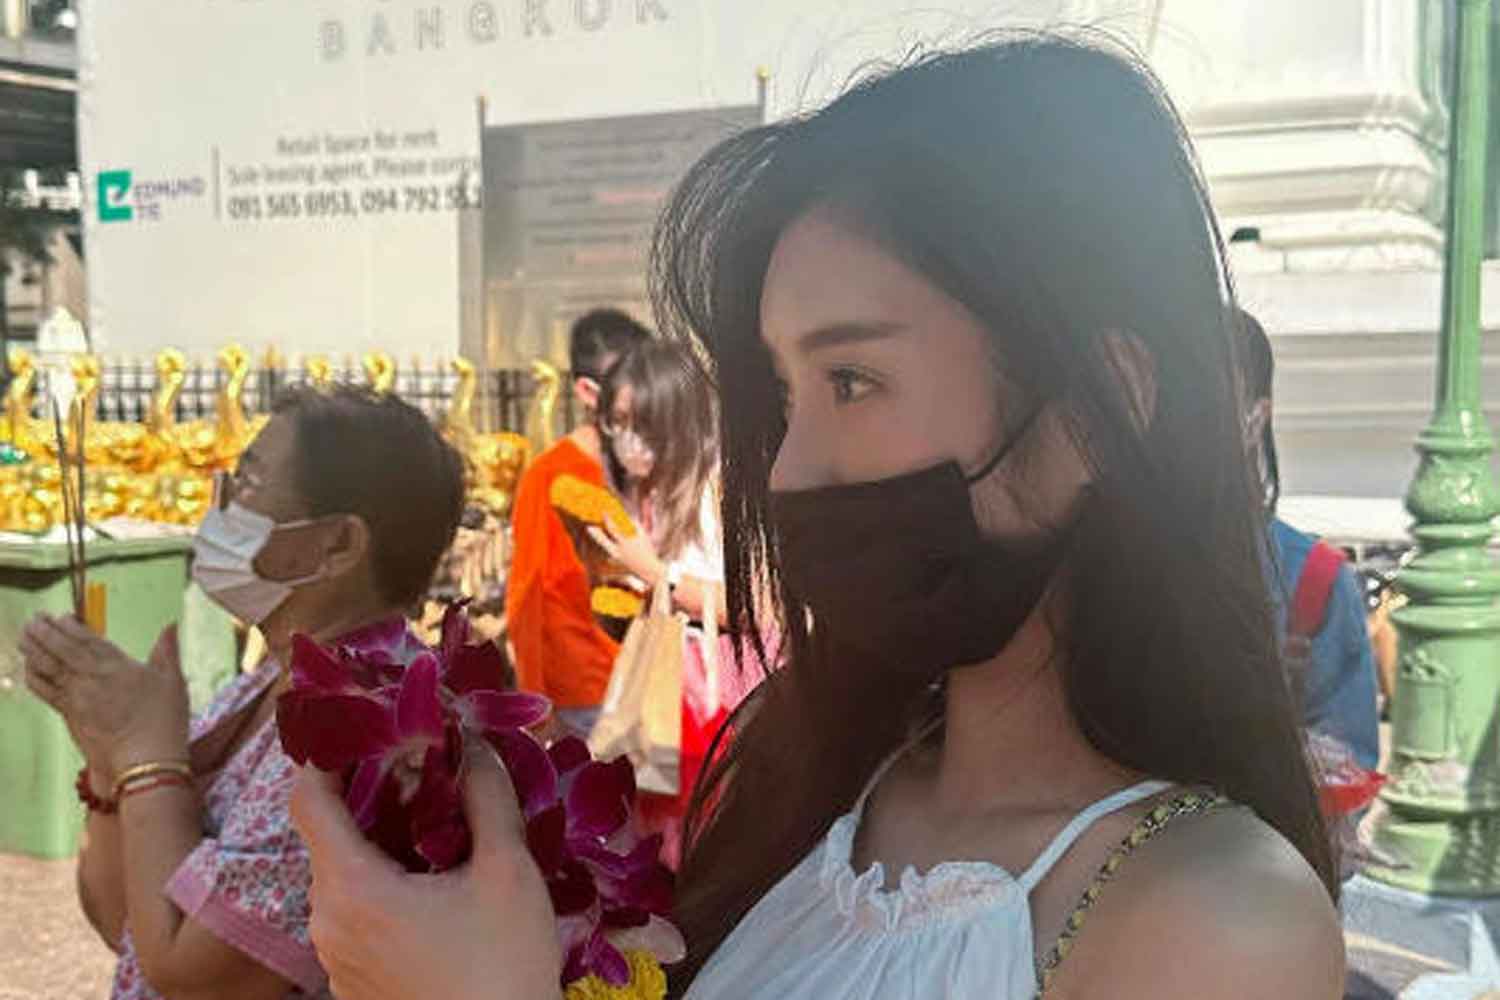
(166, 780)
(151, 769)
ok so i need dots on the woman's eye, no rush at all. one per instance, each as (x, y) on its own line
(849, 385)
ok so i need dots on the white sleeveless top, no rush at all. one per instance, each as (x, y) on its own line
(960, 931)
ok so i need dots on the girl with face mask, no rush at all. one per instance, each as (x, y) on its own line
(971, 332)
(657, 423)
(190, 869)
(656, 419)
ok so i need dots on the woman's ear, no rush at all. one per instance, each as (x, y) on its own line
(586, 391)
(1126, 357)
(350, 543)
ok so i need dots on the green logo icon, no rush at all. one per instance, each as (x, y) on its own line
(114, 185)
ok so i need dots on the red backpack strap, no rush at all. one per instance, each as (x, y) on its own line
(1314, 590)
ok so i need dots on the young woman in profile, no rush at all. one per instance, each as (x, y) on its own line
(971, 333)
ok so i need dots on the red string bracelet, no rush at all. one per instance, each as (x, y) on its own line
(95, 803)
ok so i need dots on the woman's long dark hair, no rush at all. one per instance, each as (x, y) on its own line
(1047, 184)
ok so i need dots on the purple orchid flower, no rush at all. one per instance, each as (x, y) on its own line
(609, 888)
(394, 717)
(395, 729)
(389, 643)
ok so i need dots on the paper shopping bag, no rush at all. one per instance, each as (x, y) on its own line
(641, 717)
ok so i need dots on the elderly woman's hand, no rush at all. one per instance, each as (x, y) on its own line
(481, 932)
(121, 711)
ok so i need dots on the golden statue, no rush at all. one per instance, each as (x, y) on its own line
(20, 426)
(458, 423)
(174, 447)
(230, 406)
(235, 431)
(539, 421)
(380, 369)
(171, 372)
(160, 469)
(105, 444)
(318, 372)
(492, 462)
(86, 379)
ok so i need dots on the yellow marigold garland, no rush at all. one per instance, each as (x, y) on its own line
(616, 602)
(647, 982)
(590, 504)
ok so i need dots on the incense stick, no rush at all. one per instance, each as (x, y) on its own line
(81, 510)
(64, 484)
(75, 580)
(70, 514)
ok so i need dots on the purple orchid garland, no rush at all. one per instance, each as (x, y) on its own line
(394, 718)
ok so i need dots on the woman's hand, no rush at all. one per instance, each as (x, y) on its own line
(120, 711)
(635, 553)
(481, 932)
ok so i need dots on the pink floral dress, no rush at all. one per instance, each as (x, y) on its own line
(247, 881)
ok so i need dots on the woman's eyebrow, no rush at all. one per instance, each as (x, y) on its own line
(840, 334)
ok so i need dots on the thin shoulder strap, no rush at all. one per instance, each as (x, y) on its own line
(1153, 823)
(1080, 824)
(885, 765)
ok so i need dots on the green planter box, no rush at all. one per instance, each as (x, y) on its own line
(39, 812)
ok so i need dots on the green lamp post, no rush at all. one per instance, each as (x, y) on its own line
(1443, 819)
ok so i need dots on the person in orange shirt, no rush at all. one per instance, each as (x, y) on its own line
(560, 649)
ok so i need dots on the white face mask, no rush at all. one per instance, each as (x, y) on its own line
(633, 453)
(224, 552)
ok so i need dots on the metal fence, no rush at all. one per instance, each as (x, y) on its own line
(501, 400)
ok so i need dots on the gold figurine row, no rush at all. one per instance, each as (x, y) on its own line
(161, 470)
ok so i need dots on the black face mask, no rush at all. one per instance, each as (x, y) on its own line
(897, 571)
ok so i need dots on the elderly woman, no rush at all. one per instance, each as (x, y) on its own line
(332, 527)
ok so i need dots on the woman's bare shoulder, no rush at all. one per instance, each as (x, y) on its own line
(1218, 906)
